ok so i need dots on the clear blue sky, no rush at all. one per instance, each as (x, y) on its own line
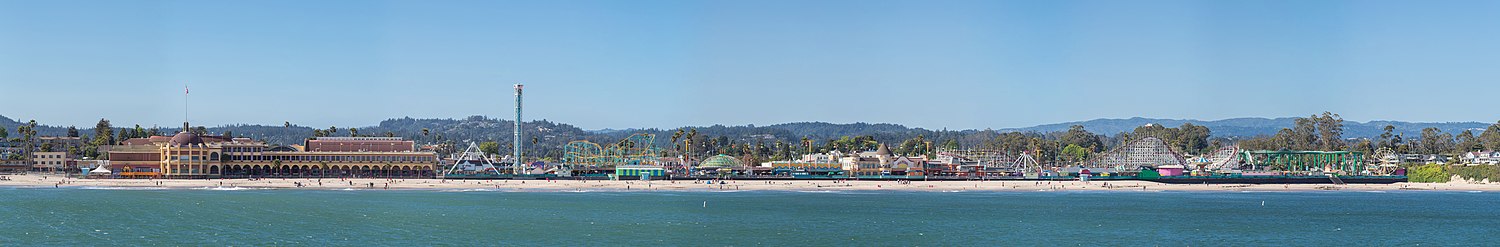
(624, 64)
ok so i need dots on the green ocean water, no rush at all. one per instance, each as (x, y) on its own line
(102, 216)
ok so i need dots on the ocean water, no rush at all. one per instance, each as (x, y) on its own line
(135, 217)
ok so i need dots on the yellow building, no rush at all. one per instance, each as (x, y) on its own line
(186, 155)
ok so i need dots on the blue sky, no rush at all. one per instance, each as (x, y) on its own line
(627, 64)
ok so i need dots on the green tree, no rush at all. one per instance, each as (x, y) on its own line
(353, 132)
(1434, 141)
(1075, 153)
(1304, 134)
(1078, 136)
(1385, 137)
(1363, 146)
(1467, 142)
(1491, 137)
(1429, 174)
(1330, 131)
(489, 147)
(1192, 139)
(4, 134)
(675, 136)
(104, 133)
(72, 132)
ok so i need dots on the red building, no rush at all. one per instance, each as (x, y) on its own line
(359, 144)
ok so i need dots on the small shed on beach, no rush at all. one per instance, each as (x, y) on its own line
(1171, 170)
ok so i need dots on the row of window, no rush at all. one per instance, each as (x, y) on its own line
(331, 158)
(242, 149)
(52, 156)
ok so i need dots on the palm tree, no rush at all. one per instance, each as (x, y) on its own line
(424, 133)
(808, 143)
(689, 142)
(353, 132)
(676, 135)
(288, 124)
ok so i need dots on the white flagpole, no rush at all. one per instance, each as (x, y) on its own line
(185, 92)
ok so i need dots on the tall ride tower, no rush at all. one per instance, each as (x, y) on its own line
(518, 166)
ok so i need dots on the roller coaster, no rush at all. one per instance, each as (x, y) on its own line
(1144, 152)
(638, 149)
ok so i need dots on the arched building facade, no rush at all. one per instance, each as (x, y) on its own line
(187, 155)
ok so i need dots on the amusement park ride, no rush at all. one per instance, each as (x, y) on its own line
(638, 149)
(638, 153)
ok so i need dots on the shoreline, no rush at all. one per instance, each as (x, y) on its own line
(46, 181)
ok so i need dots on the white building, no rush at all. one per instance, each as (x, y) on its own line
(1485, 157)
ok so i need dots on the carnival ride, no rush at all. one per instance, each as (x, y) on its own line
(987, 159)
(472, 162)
(1223, 159)
(638, 149)
(1144, 152)
(1386, 159)
(1331, 162)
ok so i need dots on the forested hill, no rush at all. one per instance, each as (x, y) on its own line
(550, 134)
(1249, 127)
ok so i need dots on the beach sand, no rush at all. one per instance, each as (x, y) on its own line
(45, 181)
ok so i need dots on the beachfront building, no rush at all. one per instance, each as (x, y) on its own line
(332, 157)
(135, 159)
(803, 169)
(188, 155)
(52, 161)
(641, 172)
(882, 163)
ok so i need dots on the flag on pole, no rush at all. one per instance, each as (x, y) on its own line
(184, 90)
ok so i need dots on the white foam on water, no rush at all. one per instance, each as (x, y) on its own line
(121, 188)
(817, 191)
(230, 188)
(470, 190)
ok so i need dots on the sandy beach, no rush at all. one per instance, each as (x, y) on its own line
(44, 181)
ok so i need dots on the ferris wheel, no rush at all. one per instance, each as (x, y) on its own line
(1386, 161)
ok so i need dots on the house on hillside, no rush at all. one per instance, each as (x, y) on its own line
(1482, 157)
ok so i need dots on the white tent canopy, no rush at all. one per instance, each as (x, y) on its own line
(102, 169)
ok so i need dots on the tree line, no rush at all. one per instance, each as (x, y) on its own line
(754, 144)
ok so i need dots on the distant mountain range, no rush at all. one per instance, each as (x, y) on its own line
(478, 128)
(1249, 127)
